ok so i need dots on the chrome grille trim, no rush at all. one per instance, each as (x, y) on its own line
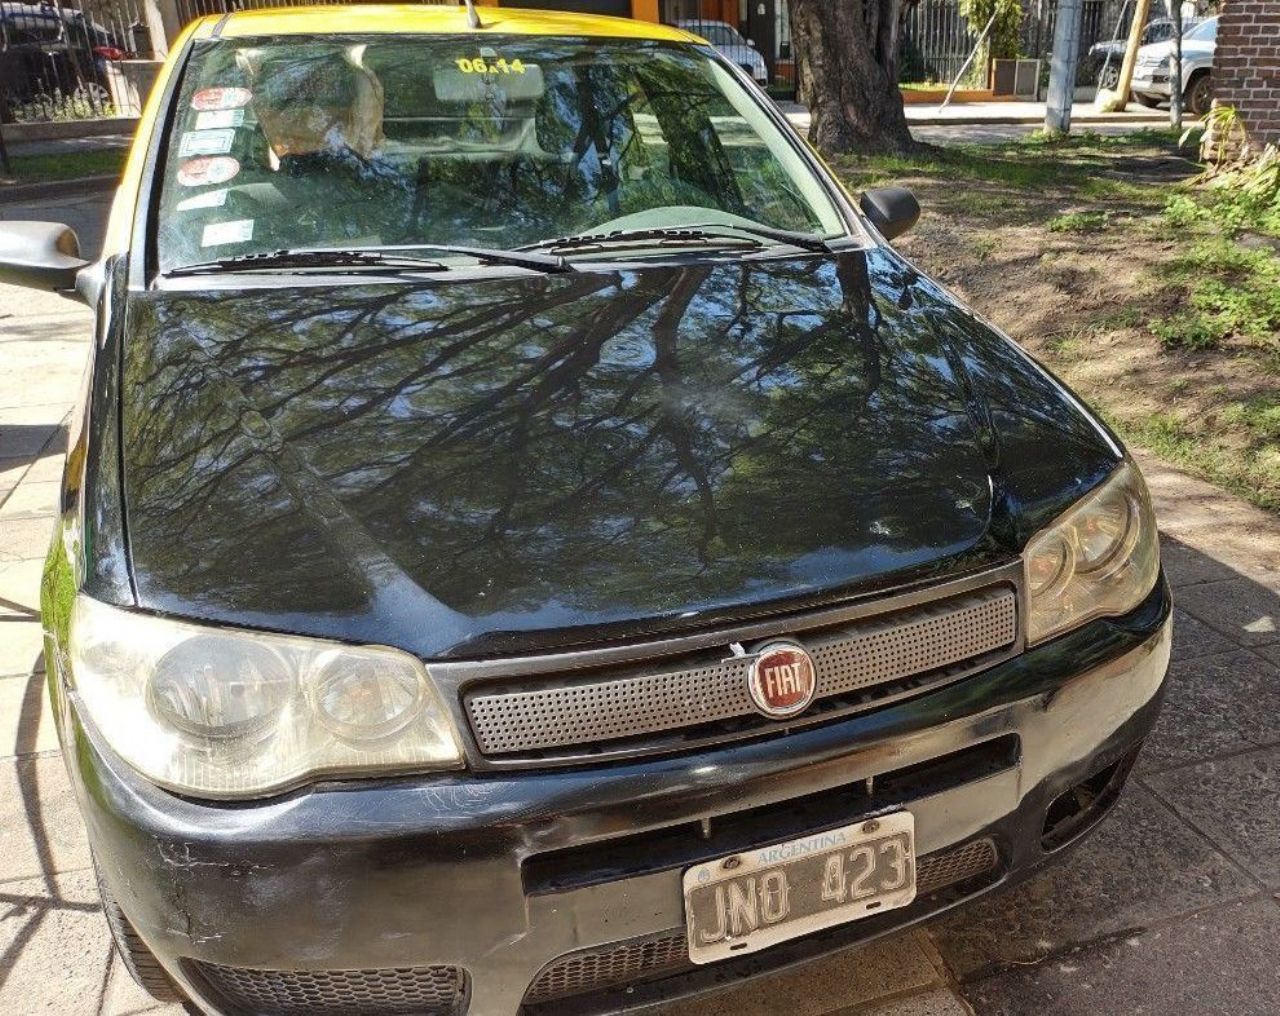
(850, 659)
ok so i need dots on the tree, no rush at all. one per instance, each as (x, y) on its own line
(847, 73)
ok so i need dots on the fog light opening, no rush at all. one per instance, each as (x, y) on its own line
(1072, 812)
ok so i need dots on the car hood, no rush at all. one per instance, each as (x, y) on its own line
(521, 462)
(1191, 50)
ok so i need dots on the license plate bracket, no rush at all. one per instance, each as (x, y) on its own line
(757, 898)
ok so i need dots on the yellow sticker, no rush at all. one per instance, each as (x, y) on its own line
(481, 65)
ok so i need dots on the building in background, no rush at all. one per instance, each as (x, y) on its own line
(1246, 67)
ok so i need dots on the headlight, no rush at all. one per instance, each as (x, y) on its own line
(1099, 558)
(216, 712)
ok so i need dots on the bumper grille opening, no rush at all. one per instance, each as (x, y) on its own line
(666, 953)
(401, 991)
(1077, 809)
(686, 844)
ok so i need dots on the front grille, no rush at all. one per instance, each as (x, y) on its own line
(859, 663)
(609, 966)
(948, 867)
(402, 991)
(666, 953)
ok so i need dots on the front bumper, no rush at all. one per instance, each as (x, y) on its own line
(1154, 83)
(503, 874)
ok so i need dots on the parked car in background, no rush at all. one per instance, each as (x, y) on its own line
(1106, 56)
(729, 41)
(1151, 74)
(47, 51)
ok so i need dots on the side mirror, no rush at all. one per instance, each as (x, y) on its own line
(40, 255)
(892, 210)
(751, 43)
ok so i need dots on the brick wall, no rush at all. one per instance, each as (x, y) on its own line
(1246, 66)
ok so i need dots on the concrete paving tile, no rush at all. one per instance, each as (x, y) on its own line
(21, 647)
(1215, 705)
(41, 832)
(20, 588)
(23, 539)
(12, 470)
(1235, 802)
(1239, 608)
(125, 998)
(938, 1002)
(1192, 638)
(32, 498)
(1219, 963)
(26, 719)
(1269, 653)
(54, 947)
(854, 977)
(1141, 866)
(48, 468)
(1186, 566)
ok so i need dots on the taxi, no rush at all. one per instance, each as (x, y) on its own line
(530, 544)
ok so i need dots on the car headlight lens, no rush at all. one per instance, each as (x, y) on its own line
(222, 713)
(1100, 558)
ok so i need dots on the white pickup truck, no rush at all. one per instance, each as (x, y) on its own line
(1151, 75)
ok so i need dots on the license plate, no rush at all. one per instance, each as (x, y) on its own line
(758, 898)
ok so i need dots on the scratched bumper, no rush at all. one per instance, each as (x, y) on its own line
(501, 875)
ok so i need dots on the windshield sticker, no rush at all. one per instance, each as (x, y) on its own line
(209, 199)
(198, 172)
(481, 65)
(217, 234)
(221, 98)
(206, 142)
(219, 118)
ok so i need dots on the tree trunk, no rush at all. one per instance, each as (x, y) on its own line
(847, 73)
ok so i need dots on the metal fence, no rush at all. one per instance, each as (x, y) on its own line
(938, 39)
(63, 59)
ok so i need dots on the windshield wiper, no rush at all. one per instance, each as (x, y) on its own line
(682, 236)
(371, 257)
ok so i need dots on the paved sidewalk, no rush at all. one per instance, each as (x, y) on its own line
(1170, 909)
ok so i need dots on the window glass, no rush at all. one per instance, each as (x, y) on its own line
(390, 140)
(1206, 31)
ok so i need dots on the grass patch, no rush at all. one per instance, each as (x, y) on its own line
(67, 166)
(1250, 470)
(1078, 222)
(1232, 292)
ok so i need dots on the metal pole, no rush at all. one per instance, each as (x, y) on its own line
(965, 66)
(1062, 68)
(1175, 72)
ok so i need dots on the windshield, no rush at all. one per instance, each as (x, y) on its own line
(390, 140)
(1206, 31)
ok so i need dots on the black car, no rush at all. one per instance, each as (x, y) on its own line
(530, 544)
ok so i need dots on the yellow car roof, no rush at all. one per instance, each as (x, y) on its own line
(433, 20)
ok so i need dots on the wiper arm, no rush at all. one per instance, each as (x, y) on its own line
(663, 237)
(371, 257)
(309, 258)
(709, 233)
(805, 241)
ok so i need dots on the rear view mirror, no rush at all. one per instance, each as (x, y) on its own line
(892, 210)
(41, 255)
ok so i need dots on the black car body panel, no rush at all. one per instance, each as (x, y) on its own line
(542, 461)
(526, 478)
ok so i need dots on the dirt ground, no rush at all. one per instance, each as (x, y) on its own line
(1071, 251)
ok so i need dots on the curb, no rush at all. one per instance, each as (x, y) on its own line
(12, 194)
(1006, 121)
